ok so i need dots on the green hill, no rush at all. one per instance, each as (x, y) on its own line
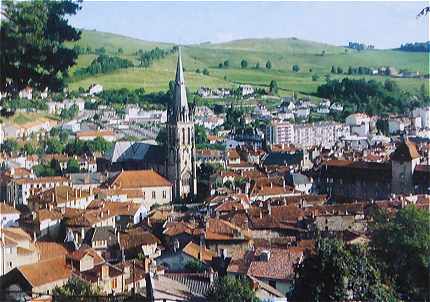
(97, 39)
(283, 53)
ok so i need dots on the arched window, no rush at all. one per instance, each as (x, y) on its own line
(183, 136)
(189, 136)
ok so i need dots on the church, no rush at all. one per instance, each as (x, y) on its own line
(177, 159)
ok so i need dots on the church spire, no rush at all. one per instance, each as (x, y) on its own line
(180, 101)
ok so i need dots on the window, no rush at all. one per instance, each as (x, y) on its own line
(143, 194)
(153, 194)
(189, 136)
(164, 194)
(114, 284)
(183, 136)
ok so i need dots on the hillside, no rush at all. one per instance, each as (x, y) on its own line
(97, 39)
(283, 53)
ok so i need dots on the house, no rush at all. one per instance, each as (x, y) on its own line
(398, 125)
(105, 241)
(300, 182)
(41, 278)
(9, 215)
(46, 223)
(16, 249)
(145, 186)
(359, 123)
(95, 89)
(19, 190)
(424, 113)
(26, 93)
(89, 135)
(61, 197)
(223, 237)
(92, 268)
(178, 260)
(246, 90)
(135, 241)
(274, 266)
(126, 213)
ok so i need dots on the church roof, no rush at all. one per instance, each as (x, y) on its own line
(406, 151)
(180, 90)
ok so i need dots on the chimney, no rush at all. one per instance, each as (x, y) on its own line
(105, 272)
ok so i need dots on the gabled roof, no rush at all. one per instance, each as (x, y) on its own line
(7, 209)
(406, 151)
(44, 272)
(137, 179)
(194, 250)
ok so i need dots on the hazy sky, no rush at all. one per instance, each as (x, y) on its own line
(385, 24)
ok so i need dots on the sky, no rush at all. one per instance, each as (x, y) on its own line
(384, 24)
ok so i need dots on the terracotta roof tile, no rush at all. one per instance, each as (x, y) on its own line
(137, 179)
(47, 271)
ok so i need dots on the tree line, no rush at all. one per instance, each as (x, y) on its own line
(103, 64)
(373, 97)
(416, 47)
(146, 58)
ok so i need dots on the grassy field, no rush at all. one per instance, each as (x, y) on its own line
(23, 118)
(283, 53)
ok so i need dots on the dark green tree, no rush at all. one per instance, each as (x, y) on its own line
(73, 166)
(226, 63)
(54, 145)
(268, 64)
(273, 87)
(401, 246)
(257, 65)
(296, 68)
(220, 65)
(231, 289)
(75, 290)
(315, 77)
(339, 70)
(349, 70)
(32, 36)
(201, 135)
(10, 145)
(205, 72)
(339, 273)
(333, 69)
(244, 64)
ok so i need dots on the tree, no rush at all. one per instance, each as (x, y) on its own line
(349, 70)
(226, 64)
(323, 53)
(206, 72)
(257, 65)
(73, 166)
(333, 69)
(339, 273)
(201, 136)
(10, 145)
(401, 246)
(33, 51)
(244, 64)
(197, 70)
(194, 266)
(29, 149)
(120, 51)
(339, 70)
(220, 65)
(296, 68)
(75, 290)
(315, 77)
(54, 145)
(273, 87)
(268, 64)
(231, 289)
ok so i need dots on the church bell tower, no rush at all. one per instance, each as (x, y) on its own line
(181, 169)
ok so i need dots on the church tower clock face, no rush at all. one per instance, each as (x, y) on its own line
(181, 168)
